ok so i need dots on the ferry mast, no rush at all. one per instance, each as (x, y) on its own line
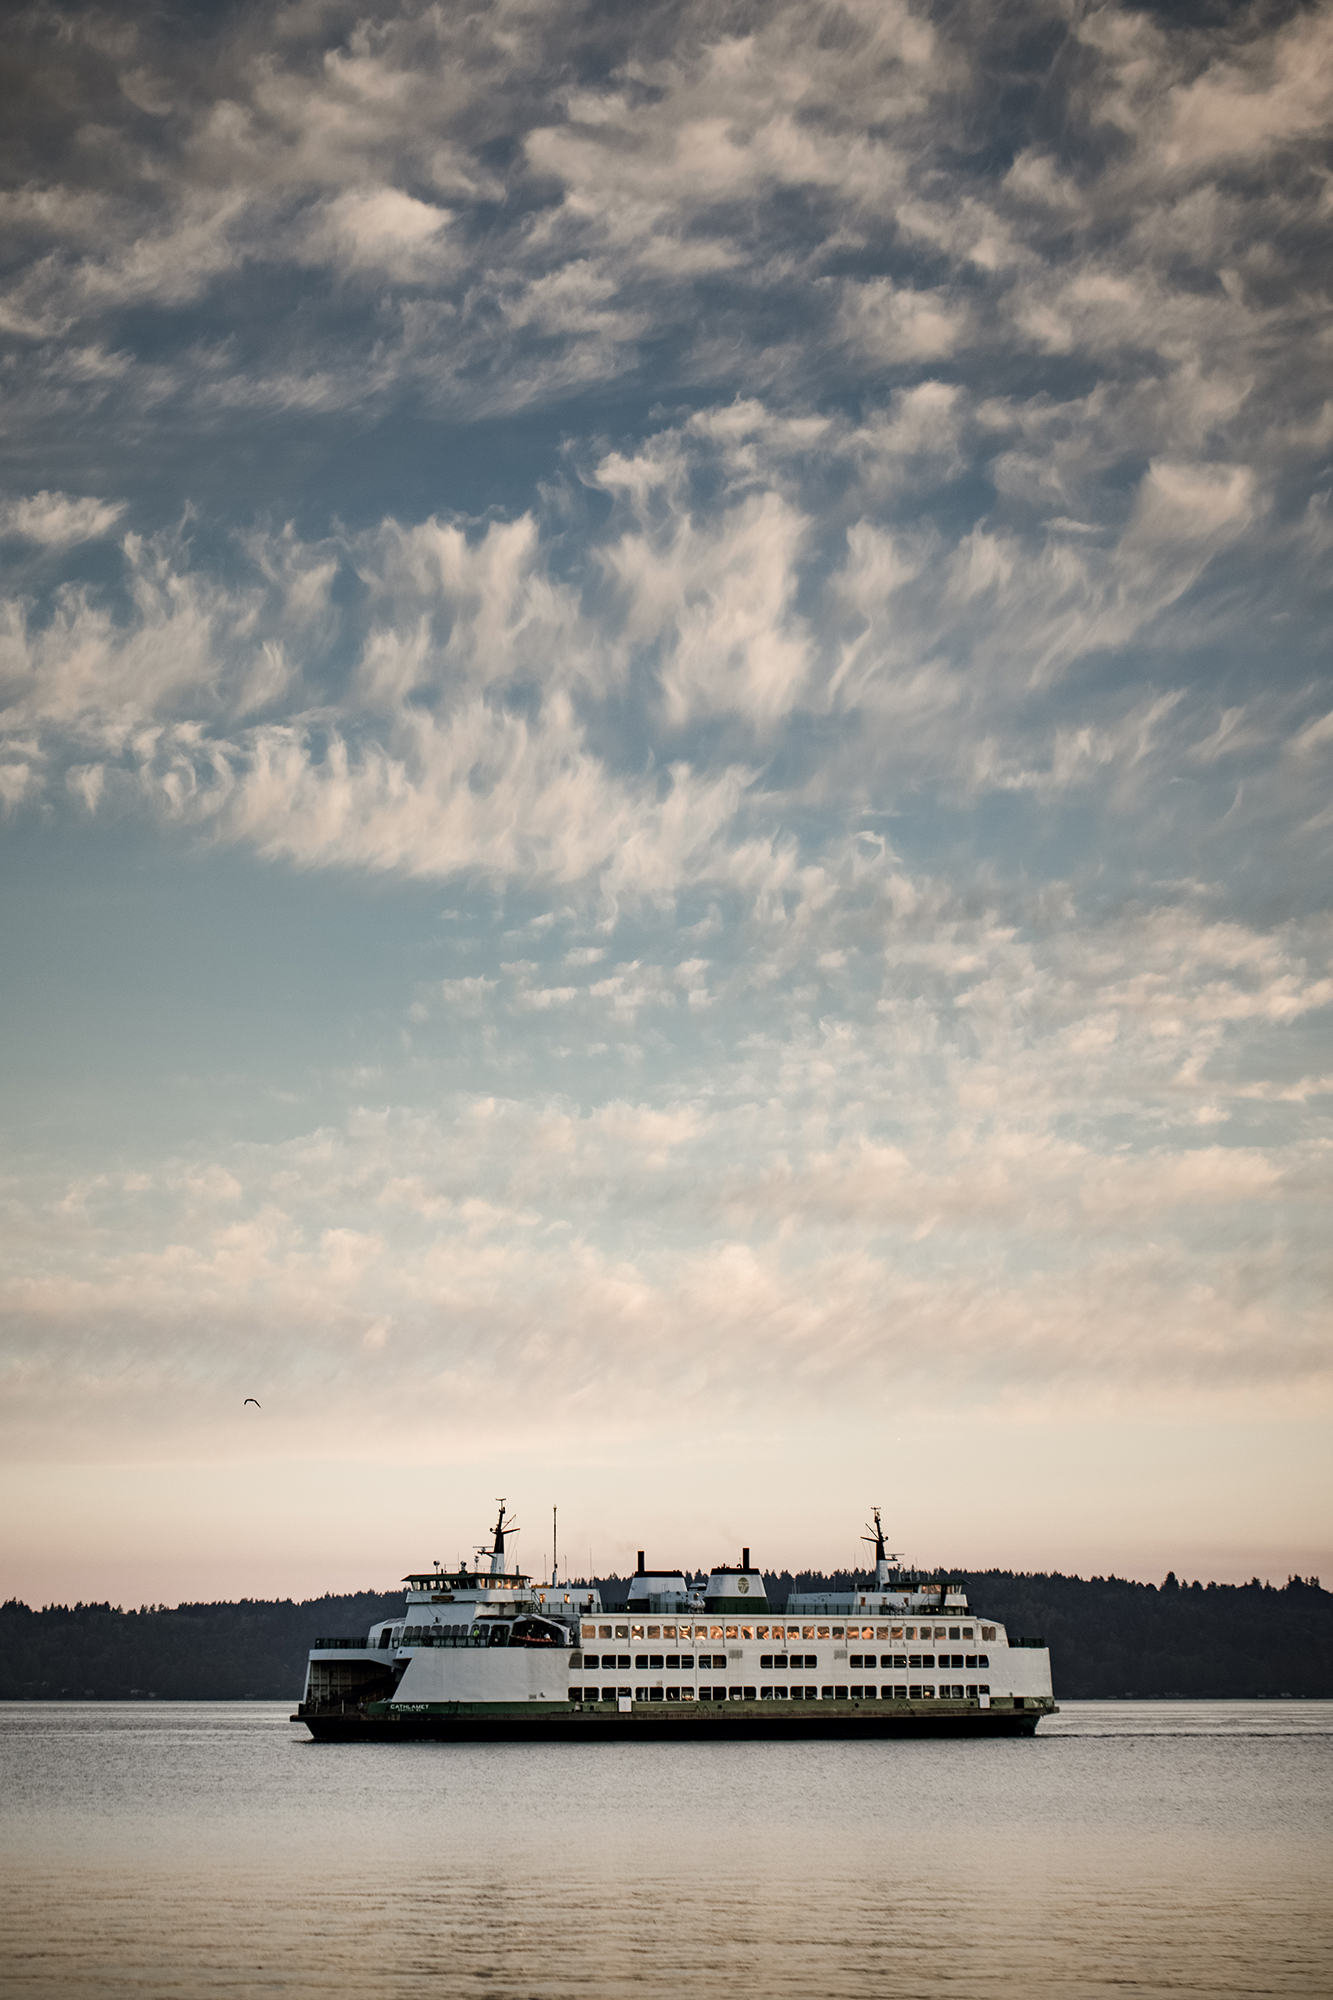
(885, 1565)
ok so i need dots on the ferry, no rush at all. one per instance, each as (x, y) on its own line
(486, 1654)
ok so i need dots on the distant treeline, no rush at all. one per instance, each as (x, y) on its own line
(1107, 1637)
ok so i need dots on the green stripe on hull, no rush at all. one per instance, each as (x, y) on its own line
(768, 1711)
(724, 1721)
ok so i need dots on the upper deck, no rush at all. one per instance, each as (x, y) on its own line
(489, 1638)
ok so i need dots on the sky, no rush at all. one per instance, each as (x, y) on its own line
(665, 749)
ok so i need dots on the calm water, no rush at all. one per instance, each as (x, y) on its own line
(1132, 1848)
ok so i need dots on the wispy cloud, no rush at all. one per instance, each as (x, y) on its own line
(825, 556)
(58, 521)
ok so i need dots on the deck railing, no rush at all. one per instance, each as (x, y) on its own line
(413, 1635)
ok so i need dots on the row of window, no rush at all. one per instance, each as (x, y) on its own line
(946, 1691)
(900, 1661)
(697, 1632)
(654, 1663)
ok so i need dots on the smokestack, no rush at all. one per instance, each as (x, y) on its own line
(745, 1558)
(640, 1562)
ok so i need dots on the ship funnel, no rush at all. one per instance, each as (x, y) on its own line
(657, 1589)
(734, 1589)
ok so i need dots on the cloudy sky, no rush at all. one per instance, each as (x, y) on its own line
(666, 747)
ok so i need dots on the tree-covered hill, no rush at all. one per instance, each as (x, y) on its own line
(196, 1652)
(1107, 1637)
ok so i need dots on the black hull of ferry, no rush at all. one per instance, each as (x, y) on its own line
(699, 1725)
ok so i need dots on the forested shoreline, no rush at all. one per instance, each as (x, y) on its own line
(1108, 1637)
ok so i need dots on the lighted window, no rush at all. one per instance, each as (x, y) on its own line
(733, 1631)
(807, 1631)
(622, 1631)
(715, 1632)
(588, 1631)
(654, 1631)
(605, 1632)
(820, 1633)
(747, 1631)
(668, 1631)
(636, 1631)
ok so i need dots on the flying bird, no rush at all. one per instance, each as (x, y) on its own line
(255, 1400)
